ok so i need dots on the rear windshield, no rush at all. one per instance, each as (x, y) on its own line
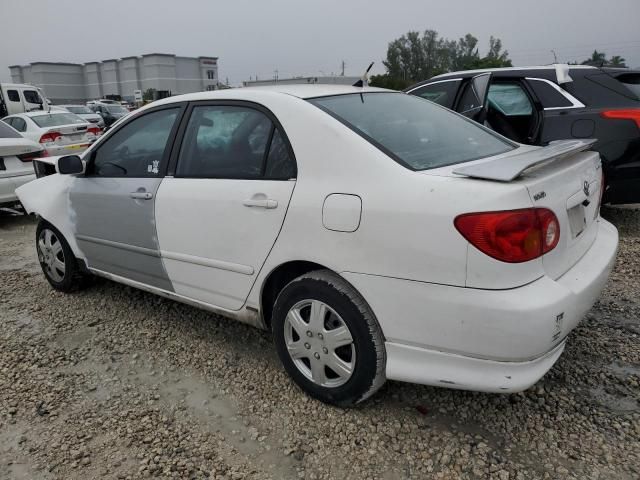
(55, 119)
(7, 132)
(79, 109)
(116, 109)
(415, 132)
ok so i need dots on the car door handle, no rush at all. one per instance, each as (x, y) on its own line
(260, 203)
(141, 195)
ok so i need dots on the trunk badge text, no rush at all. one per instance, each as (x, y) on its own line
(539, 196)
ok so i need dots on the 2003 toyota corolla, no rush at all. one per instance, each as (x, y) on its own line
(377, 235)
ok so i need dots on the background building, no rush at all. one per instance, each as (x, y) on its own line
(334, 80)
(77, 82)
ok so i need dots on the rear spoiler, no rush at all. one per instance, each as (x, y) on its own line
(510, 166)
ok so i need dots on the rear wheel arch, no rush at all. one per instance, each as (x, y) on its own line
(277, 279)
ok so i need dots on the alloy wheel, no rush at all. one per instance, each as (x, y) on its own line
(320, 343)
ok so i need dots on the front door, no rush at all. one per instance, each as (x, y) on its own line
(114, 201)
(221, 212)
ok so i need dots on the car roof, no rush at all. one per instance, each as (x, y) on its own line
(512, 69)
(296, 90)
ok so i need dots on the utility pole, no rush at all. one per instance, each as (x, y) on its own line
(275, 74)
(342, 72)
(555, 57)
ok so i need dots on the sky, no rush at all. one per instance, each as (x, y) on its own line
(300, 37)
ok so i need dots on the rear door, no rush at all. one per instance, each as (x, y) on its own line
(221, 212)
(114, 202)
(473, 99)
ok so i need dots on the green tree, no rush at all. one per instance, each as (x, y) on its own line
(149, 95)
(617, 61)
(415, 56)
(597, 59)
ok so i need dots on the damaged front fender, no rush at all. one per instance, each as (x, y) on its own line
(48, 197)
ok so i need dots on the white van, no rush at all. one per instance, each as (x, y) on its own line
(20, 98)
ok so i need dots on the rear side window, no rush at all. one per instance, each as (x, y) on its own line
(228, 141)
(443, 93)
(509, 99)
(19, 124)
(31, 96)
(419, 135)
(55, 119)
(13, 95)
(549, 97)
(631, 81)
(7, 132)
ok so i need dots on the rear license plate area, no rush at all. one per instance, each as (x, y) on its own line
(577, 220)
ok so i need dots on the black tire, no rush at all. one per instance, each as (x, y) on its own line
(346, 307)
(72, 278)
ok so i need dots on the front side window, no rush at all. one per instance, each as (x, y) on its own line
(443, 93)
(417, 134)
(13, 95)
(31, 96)
(137, 149)
(224, 142)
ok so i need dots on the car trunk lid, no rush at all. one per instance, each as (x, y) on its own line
(68, 134)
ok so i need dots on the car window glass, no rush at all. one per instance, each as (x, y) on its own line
(224, 141)
(13, 95)
(632, 82)
(280, 165)
(469, 99)
(31, 96)
(19, 124)
(56, 119)
(417, 134)
(509, 99)
(7, 132)
(548, 95)
(137, 149)
(442, 93)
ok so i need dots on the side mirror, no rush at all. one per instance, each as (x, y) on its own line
(69, 165)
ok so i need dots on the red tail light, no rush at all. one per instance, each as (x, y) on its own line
(512, 236)
(624, 114)
(50, 137)
(94, 130)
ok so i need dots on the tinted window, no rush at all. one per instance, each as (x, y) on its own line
(13, 95)
(549, 97)
(469, 99)
(19, 124)
(224, 141)
(607, 81)
(443, 93)
(631, 81)
(509, 99)
(55, 119)
(138, 148)
(115, 109)
(79, 109)
(280, 164)
(8, 132)
(417, 134)
(31, 96)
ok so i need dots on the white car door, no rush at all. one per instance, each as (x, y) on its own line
(221, 212)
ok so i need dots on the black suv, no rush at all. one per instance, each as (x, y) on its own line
(535, 105)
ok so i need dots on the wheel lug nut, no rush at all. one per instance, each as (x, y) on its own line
(307, 346)
(317, 355)
(325, 351)
(309, 334)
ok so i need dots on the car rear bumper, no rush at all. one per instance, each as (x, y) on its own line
(446, 335)
(75, 149)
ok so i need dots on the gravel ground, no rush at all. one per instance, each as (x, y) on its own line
(116, 383)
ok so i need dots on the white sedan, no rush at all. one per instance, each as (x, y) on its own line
(16, 167)
(60, 133)
(376, 234)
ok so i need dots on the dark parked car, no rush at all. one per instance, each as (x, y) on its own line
(536, 105)
(109, 112)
